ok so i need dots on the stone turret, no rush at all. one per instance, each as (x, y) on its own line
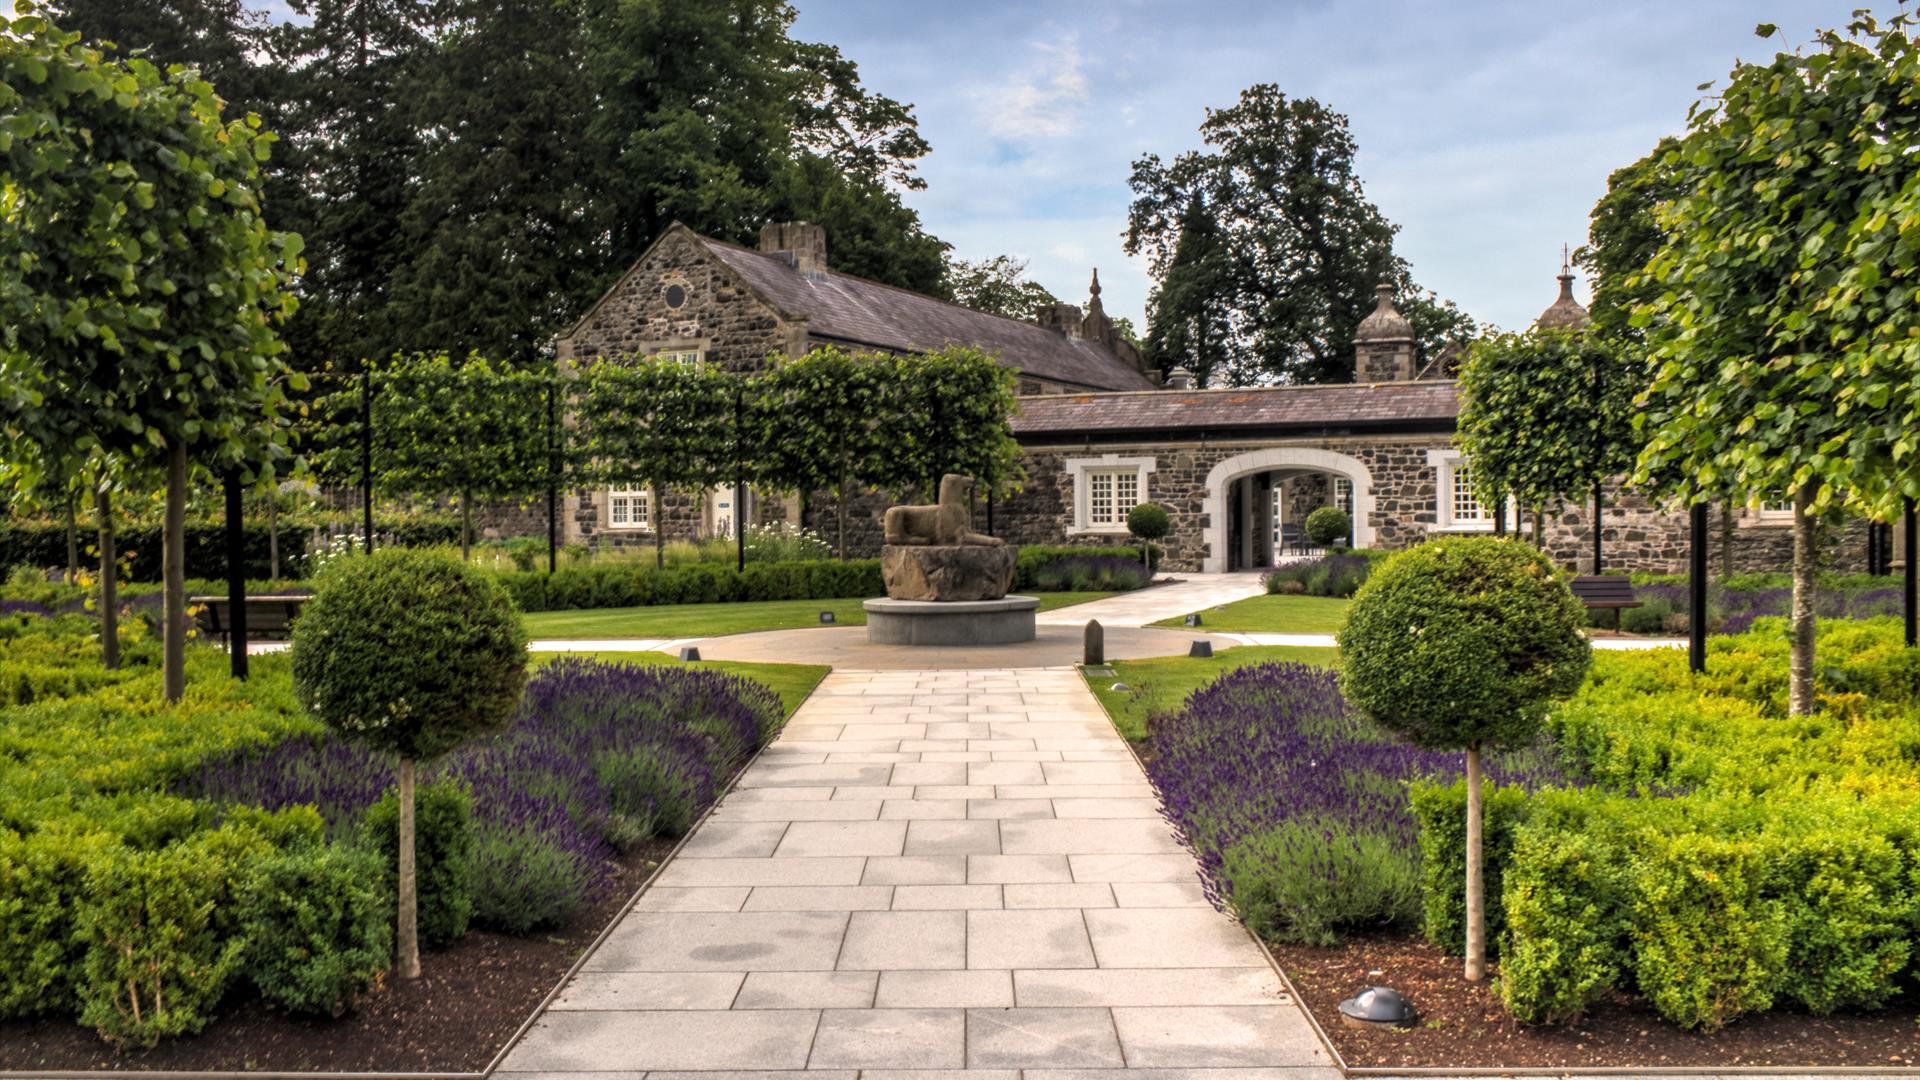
(1383, 344)
(802, 244)
(1565, 313)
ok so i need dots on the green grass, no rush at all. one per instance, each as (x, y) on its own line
(1274, 615)
(713, 620)
(1160, 685)
(793, 682)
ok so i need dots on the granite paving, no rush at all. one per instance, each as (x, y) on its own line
(935, 874)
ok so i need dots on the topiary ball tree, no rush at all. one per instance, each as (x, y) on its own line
(412, 654)
(1460, 644)
(1148, 522)
(1328, 526)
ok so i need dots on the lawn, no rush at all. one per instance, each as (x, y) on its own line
(713, 620)
(1161, 684)
(1274, 615)
(793, 682)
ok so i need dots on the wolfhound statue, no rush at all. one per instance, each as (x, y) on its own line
(944, 523)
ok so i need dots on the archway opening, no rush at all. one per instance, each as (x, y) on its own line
(1257, 504)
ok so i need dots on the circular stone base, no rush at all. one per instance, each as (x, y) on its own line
(1005, 621)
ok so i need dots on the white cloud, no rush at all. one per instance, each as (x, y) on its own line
(1041, 101)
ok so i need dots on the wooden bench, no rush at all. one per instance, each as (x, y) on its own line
(268, 617)
(1604, 591)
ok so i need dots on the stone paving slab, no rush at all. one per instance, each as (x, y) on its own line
(975, 906)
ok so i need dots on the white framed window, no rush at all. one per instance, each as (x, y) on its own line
(1771, 513)
(1343, 494)
(1457, 507)
(1105, 489)
(689, 357)
(629, 508)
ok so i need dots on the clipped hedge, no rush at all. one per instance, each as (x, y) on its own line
(618, 584)
(1726, 858)
(1033, 558)
(43, 546)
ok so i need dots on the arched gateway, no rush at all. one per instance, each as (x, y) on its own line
(1279, 459)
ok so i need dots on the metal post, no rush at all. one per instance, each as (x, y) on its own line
(1597, 507)
(1697, 591)
(553, 480)
(1912, 525)
(1500, 517)
(236, 576)
(739, 477)
(990, 531)
(366, 455)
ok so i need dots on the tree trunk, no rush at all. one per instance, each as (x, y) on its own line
(73, 542)
(659, 516)
(174, 575)
(466, 526)
(1800, 629)
(273, 532)
(840, 502)
(1726, 540)
(109, 586)
(1476, 903)
(407, 927)
(1539, 530)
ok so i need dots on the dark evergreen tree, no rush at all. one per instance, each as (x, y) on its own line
(870, 232)
(1192, 305)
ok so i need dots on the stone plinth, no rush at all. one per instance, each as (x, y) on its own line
(1004, 621)
(947, 573)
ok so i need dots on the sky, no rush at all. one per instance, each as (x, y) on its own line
(1486, 130)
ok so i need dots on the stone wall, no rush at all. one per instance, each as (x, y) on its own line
(719, 317)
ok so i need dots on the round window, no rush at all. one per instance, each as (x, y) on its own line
(676, 296)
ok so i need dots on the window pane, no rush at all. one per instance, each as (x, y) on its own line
(1127, 493)
(1100, 498)
(1466, 506)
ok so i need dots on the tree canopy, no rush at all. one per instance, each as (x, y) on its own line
(999, 285)
(1624, 232)
(1300, 247)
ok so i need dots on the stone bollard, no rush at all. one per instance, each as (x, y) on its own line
(1096, 647)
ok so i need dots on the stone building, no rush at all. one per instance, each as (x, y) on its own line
(1238, 469)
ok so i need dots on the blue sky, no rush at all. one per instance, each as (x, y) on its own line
(1486, 130)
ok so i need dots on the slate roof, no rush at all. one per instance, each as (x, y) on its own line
(1403, 406)
(840, 307)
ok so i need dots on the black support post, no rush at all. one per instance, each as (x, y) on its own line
(739, 477)
(1598, 506)
(553, 478)
(1909, 524)
(366, 456)
(1500, 517)
(236, 575)
(1697, 590)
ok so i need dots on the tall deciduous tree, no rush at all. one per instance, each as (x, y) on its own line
(1624, 233)
(1785, 326)
(1305, 245)
(999, 285)
(1548, 415)
(141, 290)
(950, 411)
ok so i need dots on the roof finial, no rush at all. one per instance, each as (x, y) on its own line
(1096, 281)
(1566, 261)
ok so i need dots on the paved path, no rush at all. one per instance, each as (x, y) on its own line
(1191, 592)
(930, 871)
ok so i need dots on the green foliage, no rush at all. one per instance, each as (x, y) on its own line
(815, 425)
(1547, 414)
(1442, 813)
(608, 585)
(999, 285)
(1462, 642)
(1564, 947)
(138, 546)
(410, 652)
(1148, 521)
(950, 411)
(1289, 884)
(42, 880)
(1033, 558)
(315, 919)
(152, 325)
(532, 883)
(1338, 575)
(1624, 233)
(1782, 331)
(1273, 285)
(1329, 525)
(162, 934)
(443, 834)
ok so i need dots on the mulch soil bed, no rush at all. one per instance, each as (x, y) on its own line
(468, 1002)
(1463, 1025)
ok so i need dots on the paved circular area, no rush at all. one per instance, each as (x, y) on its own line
(847, 648)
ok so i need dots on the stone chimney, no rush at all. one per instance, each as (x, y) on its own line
(802, 244)
(1062, 319)
(1383, 344)
(1180, 379)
